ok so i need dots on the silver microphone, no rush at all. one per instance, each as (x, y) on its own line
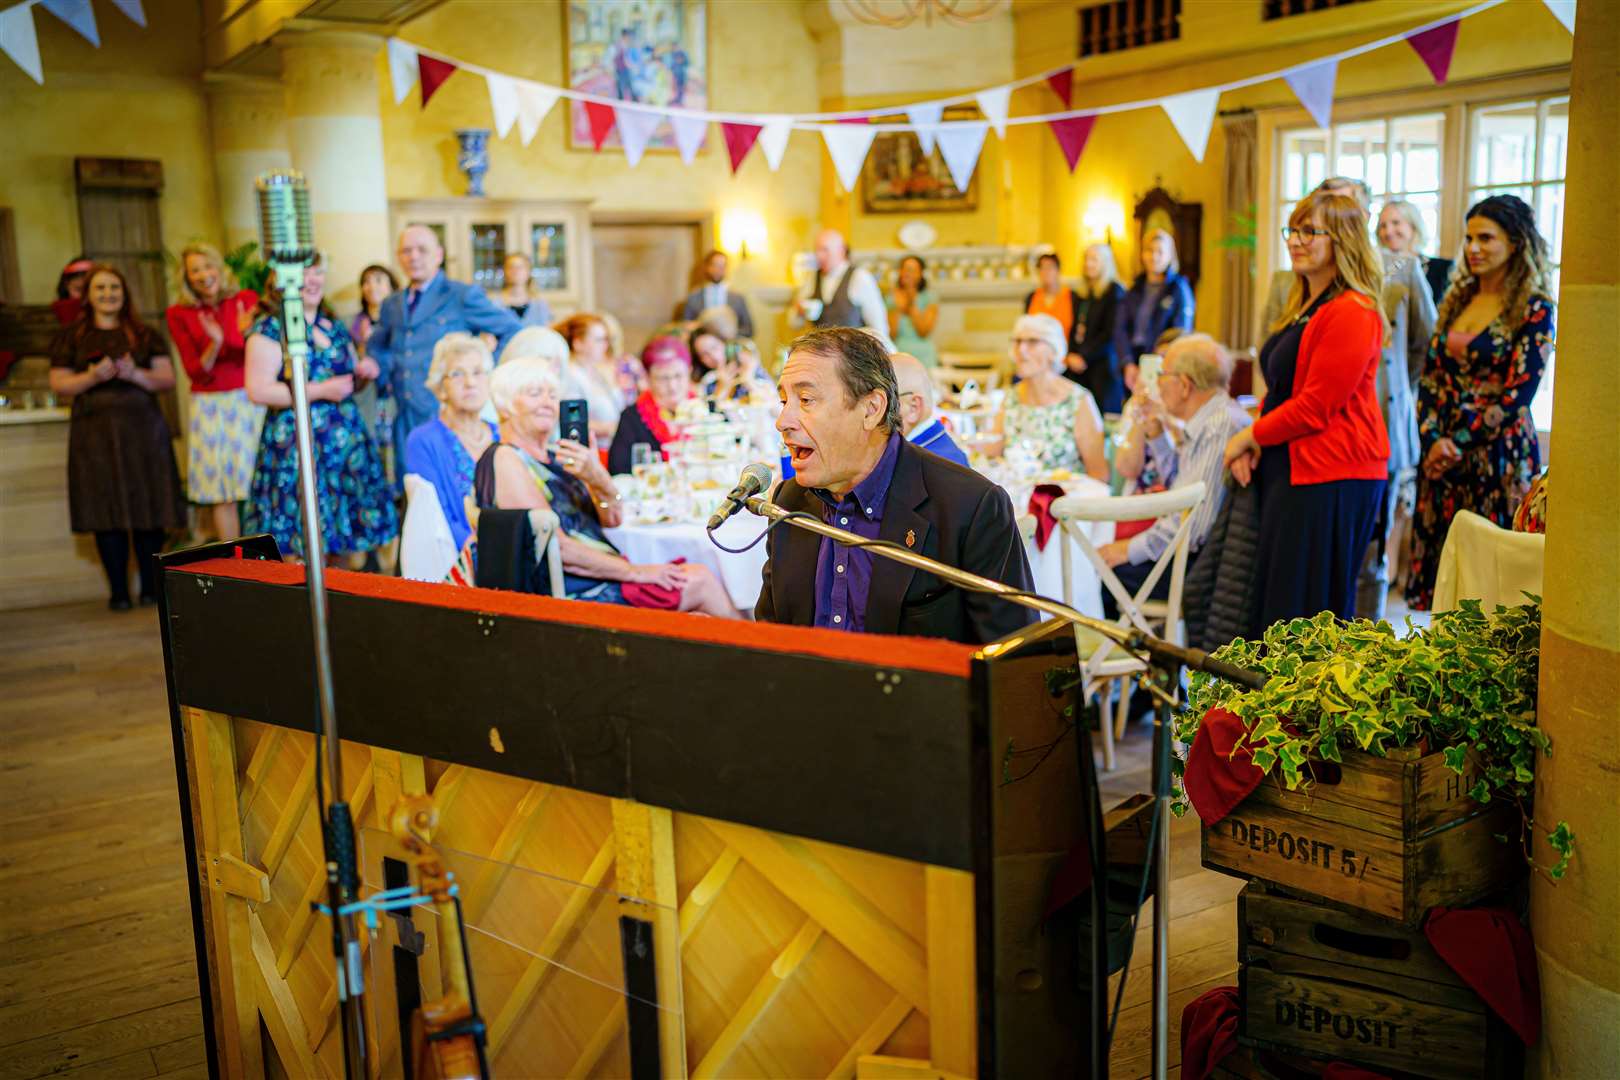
(754, 479)
(286, 226)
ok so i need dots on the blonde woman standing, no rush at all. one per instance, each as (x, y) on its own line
(222, 436)
(1320, 448)
(1400, 232)
(1099, 294)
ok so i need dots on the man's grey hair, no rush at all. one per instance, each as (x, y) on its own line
(1207, 365)
(863, 365)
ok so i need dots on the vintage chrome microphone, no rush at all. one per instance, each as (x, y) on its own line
(286, 230)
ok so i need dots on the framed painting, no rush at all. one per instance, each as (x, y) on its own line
(898, 178)
(652, 51)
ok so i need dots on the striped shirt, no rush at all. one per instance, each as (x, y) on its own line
(1201, 456)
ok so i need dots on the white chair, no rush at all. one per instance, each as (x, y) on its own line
(1101, 661)
(547, 528)
(427, 551)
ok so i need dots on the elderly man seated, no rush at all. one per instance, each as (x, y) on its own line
(917, 418)
(1192, 390)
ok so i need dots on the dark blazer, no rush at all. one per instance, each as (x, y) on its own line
(1438, 273)
(734, 300)
(954, 514)
(1176, 307)
(632, 429)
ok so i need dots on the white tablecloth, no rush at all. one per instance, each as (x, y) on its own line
(664, 543)
(1047, 566)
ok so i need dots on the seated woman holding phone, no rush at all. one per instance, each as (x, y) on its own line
(526, 471)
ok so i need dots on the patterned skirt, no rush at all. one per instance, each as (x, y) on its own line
(223, 438)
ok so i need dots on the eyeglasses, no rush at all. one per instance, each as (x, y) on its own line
(1304, 234)
(1028, 341)
(464, 376)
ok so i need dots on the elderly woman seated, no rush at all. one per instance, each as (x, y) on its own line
(526, 471)
(1047, 415)
(669, 383)
(445, 450)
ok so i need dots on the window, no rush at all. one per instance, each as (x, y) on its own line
(1519, 148)
(1398, 156)
(1128, 24)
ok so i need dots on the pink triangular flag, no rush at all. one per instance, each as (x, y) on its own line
(1071, 133)
(1314, 88)
(433, 72)
(600, 117)
(1062, 85)
(636, 127)
(1435, 46)
(739, 140)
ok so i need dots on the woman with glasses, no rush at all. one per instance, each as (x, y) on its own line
(445, 450)
(1320, 448)
(1046, 415)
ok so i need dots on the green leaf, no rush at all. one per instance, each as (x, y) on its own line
(1480, 792)
(1456, 758)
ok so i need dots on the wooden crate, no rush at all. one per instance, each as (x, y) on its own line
(1334, 986)
(1393, 836)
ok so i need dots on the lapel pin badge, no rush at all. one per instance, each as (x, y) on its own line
(911, 538)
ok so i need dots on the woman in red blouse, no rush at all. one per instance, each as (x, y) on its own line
(1320, 447)
(223, 434)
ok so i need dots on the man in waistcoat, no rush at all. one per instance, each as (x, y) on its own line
(840, 293)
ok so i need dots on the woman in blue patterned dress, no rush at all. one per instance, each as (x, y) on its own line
(356, 502)
(1486, 359)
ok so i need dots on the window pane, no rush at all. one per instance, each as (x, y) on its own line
(1361, 153)
(1415, 152)
(1555, 139)
(1304, 155)
(488, 253)
(1428, 204)
(1549, 207)
(1504, 143)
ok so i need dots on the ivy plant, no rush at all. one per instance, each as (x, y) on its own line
(1466, 682)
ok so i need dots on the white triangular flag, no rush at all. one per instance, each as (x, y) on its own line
(923, 118)
(635, 130)
(689, 133)
(1193, 114)
(18, 40)
(132, 8)
(77, 14)
(960, 145)
(1314, 88)
(1563, 11)
(534, 102)
(994, 103)
(503, 102)
(402, 68)
(773, 138)
(848, 144)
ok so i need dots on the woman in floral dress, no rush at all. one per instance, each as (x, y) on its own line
(1485, 361)
(356, 506)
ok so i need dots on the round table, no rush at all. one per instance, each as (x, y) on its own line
(664, 542)
(1046, 565)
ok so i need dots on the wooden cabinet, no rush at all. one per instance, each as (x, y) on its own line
(478, 234)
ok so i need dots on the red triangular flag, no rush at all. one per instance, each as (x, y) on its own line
(601, 118)
(854, 120)
(739, 140)
(1435, 46)
(433, 72)
(1062, 85)
(1072, 133)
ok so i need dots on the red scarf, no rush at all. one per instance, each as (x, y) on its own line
(653, 417)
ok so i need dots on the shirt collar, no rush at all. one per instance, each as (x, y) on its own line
(871, 493)
(428, 284)
(1209, 411)
(923, 432)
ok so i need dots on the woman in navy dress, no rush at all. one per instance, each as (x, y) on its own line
(1320, 445)
(356, 506)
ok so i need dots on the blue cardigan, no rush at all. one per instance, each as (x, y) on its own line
(433, 452)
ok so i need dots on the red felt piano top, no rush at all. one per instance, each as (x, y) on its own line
(917, 654)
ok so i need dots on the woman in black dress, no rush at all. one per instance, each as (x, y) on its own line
(647, 419)
(1099, 294)
(122, 480)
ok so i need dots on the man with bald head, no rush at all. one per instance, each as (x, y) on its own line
(841, 293)
(414, 319)
(917, 420)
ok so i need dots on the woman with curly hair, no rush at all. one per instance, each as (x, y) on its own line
(1485, 361)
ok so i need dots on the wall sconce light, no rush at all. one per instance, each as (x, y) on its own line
(1103, 217)
(742, 233)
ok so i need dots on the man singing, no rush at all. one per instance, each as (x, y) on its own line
(854, 469)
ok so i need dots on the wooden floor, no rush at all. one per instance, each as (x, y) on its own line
(97, 974)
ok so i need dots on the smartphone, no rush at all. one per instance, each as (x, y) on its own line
(574, 420)
(1147, 373)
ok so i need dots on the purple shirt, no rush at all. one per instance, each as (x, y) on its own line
(843, 573)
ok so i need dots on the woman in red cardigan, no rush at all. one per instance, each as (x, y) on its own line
(1320, 448)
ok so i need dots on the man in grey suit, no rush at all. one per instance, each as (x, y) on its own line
(413, 320)
(713, 293)
(1408, 304)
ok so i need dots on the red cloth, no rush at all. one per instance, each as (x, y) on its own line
(1220, 768)
(191, 340)
(1494, 954)
(651, 415)
(67, 309)
(1124, 530)
(658, 597)
(1040, 504)
(1331, 422)
(1209, 1027)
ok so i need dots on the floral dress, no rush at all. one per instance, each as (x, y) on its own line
(1477, 392)
(356, 502)
(1048, 430)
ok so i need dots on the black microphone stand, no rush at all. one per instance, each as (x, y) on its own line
(1165, 660)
